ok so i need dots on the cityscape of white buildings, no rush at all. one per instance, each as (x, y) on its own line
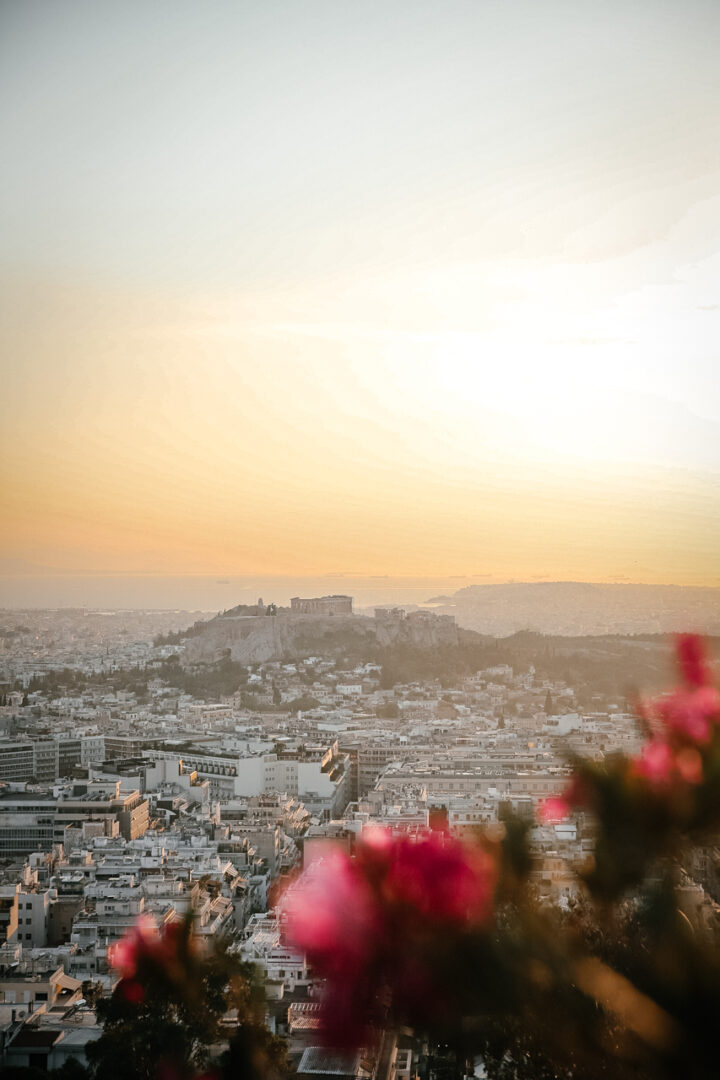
(118, 802)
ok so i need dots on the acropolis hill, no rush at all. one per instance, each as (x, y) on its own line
(257, 634)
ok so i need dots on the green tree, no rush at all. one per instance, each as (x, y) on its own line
(301, 704)
(170, 1012)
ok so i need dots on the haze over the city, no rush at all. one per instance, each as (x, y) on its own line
(414, 289)
(360, 495)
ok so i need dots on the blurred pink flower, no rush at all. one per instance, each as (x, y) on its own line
(141, 938)
(656, 762)
(438, 879)
(576, 796)
(368, 925)
(660, 763)
(145, 948)
(682, 722)
(689, 713)
(556, 808)
(331, 913)
(692, 660)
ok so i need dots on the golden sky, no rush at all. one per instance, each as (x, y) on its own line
(306, 289)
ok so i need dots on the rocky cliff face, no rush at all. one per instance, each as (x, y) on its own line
(420, 630)
(257, 639)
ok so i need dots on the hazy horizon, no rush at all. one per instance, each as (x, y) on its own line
(208, 594)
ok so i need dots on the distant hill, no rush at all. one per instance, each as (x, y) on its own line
(252, 639)
(579, 608)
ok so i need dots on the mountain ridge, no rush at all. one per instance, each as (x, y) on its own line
(582, 608)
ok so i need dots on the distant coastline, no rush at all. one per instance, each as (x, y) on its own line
(499, 609)
(206, 592)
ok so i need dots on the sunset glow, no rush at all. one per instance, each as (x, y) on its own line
(444, 318)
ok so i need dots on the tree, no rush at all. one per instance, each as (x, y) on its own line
(455, 941)
(304, 703)
(71, 1070)
(167, 1010)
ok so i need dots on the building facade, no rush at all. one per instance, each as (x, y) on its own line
(321, 605)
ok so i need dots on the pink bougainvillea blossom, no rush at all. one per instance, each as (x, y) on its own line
(656, 762)
(692, 660)
(439, 879)
(683, 722)
(332, 912)
(556, 808)
(576, 796)
(689, 713)
(140, 940)
(146, 947)
(661, 764)
(693, 709)
(367, 924)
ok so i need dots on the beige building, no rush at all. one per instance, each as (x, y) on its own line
(321, 605)
(95, 801)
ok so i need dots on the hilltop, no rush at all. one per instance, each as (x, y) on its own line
(257, 638)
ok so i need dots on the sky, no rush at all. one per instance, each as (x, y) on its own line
(420, 289)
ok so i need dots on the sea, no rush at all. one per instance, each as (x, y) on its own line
(206, 593)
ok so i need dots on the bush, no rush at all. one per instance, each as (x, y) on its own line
(453, 941)
(169, 1008)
